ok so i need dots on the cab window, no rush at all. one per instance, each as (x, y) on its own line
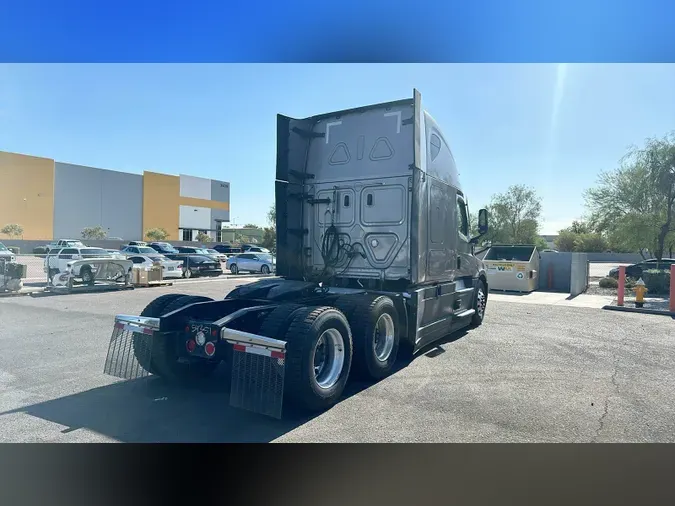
(462, 218)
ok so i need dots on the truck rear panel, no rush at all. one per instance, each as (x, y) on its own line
(351, 169)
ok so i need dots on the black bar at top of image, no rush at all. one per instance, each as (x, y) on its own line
(337, 475)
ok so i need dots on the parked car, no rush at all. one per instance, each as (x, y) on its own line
(635, 271)
(133, 243)
(256, 249)
(6, 254)
(137, 250)
(57, 260)
(227, 249)
(64, 243)
(170, 268)
(116, 253)
(190, 250)
(200, 265)
(164, 248)
(251, 262)
(216, 254)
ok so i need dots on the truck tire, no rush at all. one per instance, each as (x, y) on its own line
(318, 357)
(141, 342)
(479, 304)
(376, 335)
(277, 322)
(164, 353)
(87, 275)
(234, 269)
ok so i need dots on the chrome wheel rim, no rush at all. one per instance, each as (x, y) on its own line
(383, 340)
(480, 303)
(328, 358)
(188, 273)
(265, 269)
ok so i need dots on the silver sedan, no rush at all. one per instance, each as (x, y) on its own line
(263, 263)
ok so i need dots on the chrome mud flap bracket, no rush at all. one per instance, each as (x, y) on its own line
(258, 371)
(130, 350)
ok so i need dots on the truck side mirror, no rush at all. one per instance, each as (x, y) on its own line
(482, 221)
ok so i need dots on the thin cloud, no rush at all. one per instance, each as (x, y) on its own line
(558, 94)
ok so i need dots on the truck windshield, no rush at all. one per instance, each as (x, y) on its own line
(510, 253)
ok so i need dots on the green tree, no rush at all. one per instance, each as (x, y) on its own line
(272, 216)
(251, 225)
(540, 243)
(269, 239)
(580, 227)
(203, 238)
(157, 234)
(590, 243)
(13, 230)
(566, 240)
(94, 233)
(635, 204)
(514, 216)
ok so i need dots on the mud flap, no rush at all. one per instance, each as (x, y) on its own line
(129, 348)
(257, 379)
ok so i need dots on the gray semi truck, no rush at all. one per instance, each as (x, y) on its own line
(374, 259)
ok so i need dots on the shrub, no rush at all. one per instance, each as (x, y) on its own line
(202, 237)
(157, 234)
(13, 230)
(608, 283)
(657, 281)
(93, 233)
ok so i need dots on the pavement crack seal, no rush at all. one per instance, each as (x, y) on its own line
(615, 385)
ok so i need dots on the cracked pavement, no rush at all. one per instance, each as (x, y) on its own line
(531, 373)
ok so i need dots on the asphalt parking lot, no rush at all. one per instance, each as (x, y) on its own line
(531, 373)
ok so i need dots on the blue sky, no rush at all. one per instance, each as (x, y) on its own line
(552, 126)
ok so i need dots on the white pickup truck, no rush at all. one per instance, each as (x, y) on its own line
(57, 260)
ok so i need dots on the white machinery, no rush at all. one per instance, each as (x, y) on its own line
(11, 275)
(110, 271)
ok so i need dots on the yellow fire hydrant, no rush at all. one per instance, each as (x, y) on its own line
(640, 290)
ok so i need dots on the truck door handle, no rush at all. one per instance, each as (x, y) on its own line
(459, 262)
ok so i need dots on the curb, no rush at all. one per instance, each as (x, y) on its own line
(639, 310)
(15, 294)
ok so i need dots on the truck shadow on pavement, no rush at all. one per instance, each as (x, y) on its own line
(150, 411)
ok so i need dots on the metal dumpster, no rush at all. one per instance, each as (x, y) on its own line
(513, 268)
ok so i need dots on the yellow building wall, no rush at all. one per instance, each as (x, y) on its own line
(161, 196)
(27, 194)
(162, 201)
(211, 204)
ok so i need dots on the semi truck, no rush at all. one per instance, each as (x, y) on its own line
(375, 259)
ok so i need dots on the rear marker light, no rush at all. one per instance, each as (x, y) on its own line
(191, 345)
(214, 332)
(187, 328)
(209, 349)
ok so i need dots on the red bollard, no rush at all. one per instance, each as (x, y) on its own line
(672, 288)
(622, 285)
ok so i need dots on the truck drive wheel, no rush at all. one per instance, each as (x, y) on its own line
(277, 322)
(142, 342)
(164, 357)
(375, 327)
(479, 304)
(318, 357)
